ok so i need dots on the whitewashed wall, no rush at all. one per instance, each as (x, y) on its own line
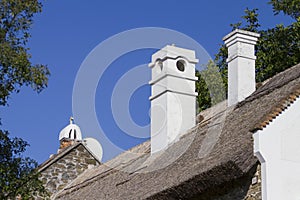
(278, 148)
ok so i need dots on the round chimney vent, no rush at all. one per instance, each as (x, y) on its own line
(180, 64)
(159, 64)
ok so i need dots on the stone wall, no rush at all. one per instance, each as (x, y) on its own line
(68, 167)
(245, 188)
(254, 191)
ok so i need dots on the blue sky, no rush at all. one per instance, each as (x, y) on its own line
(67, 31)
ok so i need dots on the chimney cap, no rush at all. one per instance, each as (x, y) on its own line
(239, 35)
(172, 52)
(71, 131)
(249, 33)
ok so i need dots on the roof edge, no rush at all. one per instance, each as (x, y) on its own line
(278, 110)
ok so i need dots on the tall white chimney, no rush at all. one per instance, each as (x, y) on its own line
(241, 64)
(173, 99)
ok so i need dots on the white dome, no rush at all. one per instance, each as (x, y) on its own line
(95, 147)
(72, 131)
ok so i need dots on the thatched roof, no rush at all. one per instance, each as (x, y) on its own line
(228, 156)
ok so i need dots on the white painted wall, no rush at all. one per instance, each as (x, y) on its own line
(241, 64)
(173, 102)
(278, 148)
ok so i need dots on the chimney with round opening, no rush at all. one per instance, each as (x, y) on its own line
(173, 97)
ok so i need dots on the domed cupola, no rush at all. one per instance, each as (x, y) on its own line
(72, 131)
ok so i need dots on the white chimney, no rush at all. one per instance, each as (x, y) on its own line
(173, 99)
(241, 64)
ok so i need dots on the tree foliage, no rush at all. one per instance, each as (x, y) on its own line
(210, 87)
(288, 7)
(278, 48)
(16, 69)
(17, 174)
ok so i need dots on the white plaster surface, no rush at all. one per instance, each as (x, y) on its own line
(64, 133)
(173, 99)
(278, 148)
(241, 64)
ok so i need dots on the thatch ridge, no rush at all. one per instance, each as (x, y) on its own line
(231, 157)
